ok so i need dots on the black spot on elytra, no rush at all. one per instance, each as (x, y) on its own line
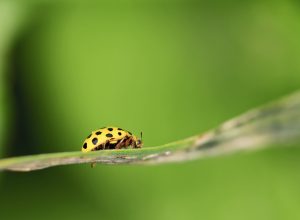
(98, 132)
(120, 129)
(89, 136)
(85, 145)
(95, 141)
(129, 132)
(119, 133)
(109, 135)
(110, 129)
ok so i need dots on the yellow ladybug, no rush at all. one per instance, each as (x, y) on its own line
(110, 138)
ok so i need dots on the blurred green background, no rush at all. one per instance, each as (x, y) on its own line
(171, 69)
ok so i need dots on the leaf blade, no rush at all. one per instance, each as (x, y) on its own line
(277, 122)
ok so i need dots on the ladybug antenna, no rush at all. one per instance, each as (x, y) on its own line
(141, 135)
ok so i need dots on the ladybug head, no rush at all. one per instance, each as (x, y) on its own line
(139, 142)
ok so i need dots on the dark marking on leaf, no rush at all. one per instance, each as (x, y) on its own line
(208, 145)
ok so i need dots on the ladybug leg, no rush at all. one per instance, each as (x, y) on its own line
(121, 143)
(128, 142)
(105, 145)
(133, 144)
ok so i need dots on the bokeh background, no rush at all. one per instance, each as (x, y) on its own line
(171, 69)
